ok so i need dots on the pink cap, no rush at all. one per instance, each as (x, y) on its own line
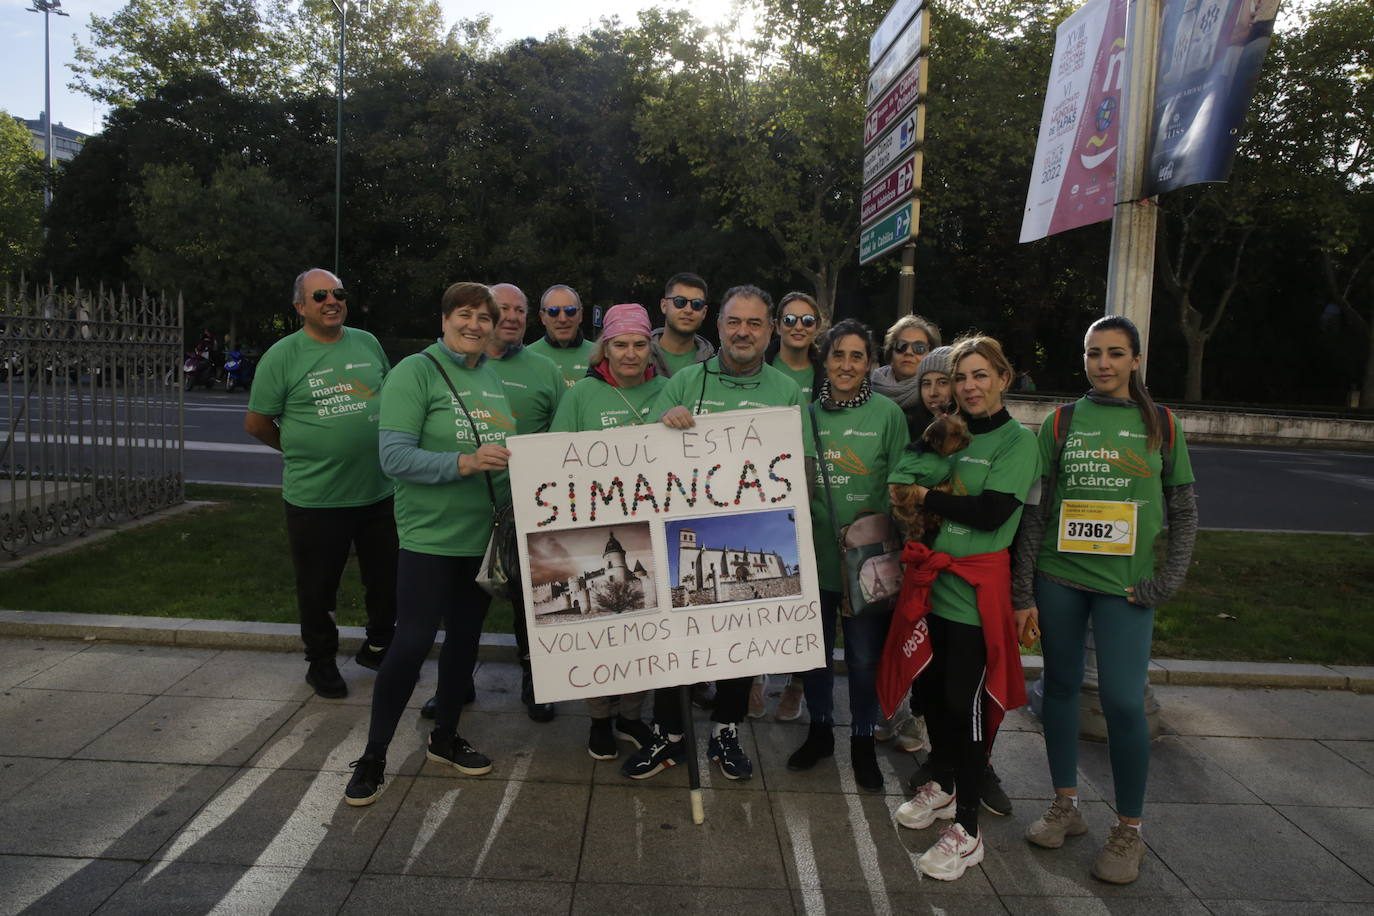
(626, 318)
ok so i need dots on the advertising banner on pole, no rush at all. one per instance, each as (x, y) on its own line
(1073, 179)
(1210, 54)
(654, 557)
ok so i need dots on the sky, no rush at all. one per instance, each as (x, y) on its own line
(21, 47)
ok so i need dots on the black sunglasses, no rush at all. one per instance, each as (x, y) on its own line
(915, 346)
(320, 295)
(569, 310)
(682, 302)
(807, 321)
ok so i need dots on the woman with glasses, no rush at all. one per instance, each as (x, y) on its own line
(442, 436)
(972, 674)
(845, 404)
(618, 389)
(906, 344)
(793, 352)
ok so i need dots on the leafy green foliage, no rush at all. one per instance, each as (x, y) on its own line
(21, 198)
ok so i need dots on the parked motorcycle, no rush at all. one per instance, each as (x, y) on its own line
(239, 364)
(198, 370)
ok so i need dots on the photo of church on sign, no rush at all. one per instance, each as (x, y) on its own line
(739, 557)
(592, 572)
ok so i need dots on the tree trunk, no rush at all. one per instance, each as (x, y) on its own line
(1197, 348)
(1367, 387)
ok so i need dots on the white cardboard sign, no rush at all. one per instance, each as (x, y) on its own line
(653, 557)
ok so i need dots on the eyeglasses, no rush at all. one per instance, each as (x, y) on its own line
(682, 302)
(569, 310)
(807, 321)
(915, 346)
(320, 295)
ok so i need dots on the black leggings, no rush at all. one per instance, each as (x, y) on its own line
(732, 701)
(430, 589)
(952, 690)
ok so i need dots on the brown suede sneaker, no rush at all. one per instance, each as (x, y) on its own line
(1062, 819)
(1119, 861)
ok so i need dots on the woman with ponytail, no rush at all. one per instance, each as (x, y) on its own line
(1116, 466)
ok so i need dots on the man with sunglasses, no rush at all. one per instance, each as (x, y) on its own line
(735, 379)
(560, 310)
(677, 344)
(316, 399)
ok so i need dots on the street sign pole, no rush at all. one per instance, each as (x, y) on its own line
(1131, 261)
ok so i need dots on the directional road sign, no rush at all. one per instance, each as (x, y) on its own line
(896, 185)
(892, 231)
(909, 44)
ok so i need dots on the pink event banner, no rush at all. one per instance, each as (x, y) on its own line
(894, 102)
(1073, 179)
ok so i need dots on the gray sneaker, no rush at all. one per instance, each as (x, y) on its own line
(1119, 861)
(1062, 819)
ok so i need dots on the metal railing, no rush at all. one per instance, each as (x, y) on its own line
(90, 383)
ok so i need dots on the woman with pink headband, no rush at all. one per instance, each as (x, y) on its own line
(619, 387)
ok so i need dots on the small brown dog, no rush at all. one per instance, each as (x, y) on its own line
(944, 436)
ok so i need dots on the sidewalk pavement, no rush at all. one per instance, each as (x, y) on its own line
(175, 778)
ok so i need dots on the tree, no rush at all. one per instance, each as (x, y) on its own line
(227, 244)
(146, 44)
(617, 597)
(21, 198)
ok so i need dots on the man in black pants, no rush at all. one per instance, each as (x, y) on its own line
(316, 398)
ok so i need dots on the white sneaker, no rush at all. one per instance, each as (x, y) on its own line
(930, 804)
(911, 736)
(953, 855)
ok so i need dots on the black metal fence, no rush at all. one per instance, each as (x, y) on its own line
(90, 386)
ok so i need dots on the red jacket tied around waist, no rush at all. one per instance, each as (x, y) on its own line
(907, 650)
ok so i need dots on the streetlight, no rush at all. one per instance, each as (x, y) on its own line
(342, 7)
(47, 8)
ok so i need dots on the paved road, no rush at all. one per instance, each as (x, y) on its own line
(1247, 488)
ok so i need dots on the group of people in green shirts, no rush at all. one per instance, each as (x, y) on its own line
(1082, 503)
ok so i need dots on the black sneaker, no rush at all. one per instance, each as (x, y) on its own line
(819, 743)
(990, 792)
(366, 783)
(323, 675)
(654, 757)
(601, 740)
(538, 712)
(633, 731)
(864, 759)
(725, 750)
(454, 751)
(370, 656)
(923, 775)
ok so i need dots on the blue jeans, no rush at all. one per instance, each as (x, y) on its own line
(863, 645)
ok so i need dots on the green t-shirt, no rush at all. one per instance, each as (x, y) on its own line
(676, 362)
(1005, 460)
(803, 377)
(1105, 458)
(327, 397)
(571, 361)
(448, 519)
(534, 386)
(594, 404)
(861, 444)
(702, 388)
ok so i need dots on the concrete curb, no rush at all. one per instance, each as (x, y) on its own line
(285, 637)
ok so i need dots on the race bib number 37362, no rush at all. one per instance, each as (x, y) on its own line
(1097, 526)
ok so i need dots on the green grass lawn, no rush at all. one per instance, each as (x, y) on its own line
(1303, 598)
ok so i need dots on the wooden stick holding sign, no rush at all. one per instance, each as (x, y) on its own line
(655, 557)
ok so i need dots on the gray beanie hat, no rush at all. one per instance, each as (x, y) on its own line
(936, 360)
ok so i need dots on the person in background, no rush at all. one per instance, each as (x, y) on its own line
(560, 311)
(862, 437)
(793, 352)
(619, 388)
(677, 344)
(316, 398)
(443, 425)
(1065, 580)
(974, 675)
(906, 344)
